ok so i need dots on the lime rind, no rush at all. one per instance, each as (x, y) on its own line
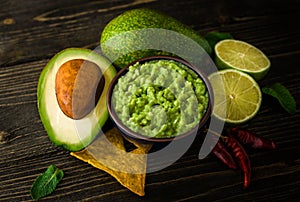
(231, 48)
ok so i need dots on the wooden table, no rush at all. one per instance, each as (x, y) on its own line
(31, 32)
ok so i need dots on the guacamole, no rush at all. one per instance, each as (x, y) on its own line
(160, 98)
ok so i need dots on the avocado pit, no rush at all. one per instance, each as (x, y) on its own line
(78, 86)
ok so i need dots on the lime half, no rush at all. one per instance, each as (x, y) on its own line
(237, 96)
(242, 56)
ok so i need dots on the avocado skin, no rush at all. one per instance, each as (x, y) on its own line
(143, 18)
(49, 122)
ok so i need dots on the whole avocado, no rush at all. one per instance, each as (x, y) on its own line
(146, 32)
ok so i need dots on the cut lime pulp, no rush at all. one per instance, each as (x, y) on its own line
(237, 96)
(242, 56)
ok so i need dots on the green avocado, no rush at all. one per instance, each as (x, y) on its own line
(145, 32)
(69, 133)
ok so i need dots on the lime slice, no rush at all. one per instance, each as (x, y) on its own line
(242, 56)
(237, 96)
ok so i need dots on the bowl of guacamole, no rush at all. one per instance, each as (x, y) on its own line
(158, 99)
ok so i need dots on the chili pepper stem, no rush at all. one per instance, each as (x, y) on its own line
(215, 133)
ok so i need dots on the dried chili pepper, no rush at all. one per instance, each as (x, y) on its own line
(251, 139)
(241, 156)
(221, 153)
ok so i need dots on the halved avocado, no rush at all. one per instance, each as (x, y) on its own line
(64, 131)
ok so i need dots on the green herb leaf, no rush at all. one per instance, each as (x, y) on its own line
(46, 183)
(214, 37)
(283, 95)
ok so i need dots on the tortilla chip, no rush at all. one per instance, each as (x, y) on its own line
(108, 153)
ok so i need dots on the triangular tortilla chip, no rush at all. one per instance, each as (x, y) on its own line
(108, 153)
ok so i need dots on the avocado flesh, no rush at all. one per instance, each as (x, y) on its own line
(63, 131)
(122, 43)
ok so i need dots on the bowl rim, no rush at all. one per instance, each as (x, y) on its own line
(136, 136)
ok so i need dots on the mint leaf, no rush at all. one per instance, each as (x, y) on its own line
(46, 183)
(283, 95)
(214, 37)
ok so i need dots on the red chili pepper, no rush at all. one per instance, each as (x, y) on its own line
(249, 138)
(221, 153)
(241, 157)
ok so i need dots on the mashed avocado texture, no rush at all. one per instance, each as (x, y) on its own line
(160, 98)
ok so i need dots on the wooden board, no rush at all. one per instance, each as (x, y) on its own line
(31, 32)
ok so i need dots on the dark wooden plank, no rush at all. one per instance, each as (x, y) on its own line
(31, 32)
(58, 26)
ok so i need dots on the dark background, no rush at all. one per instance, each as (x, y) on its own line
(31, 32)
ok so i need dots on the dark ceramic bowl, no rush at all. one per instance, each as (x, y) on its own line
(128, 133)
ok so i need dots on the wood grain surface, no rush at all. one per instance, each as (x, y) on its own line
(31, 32)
